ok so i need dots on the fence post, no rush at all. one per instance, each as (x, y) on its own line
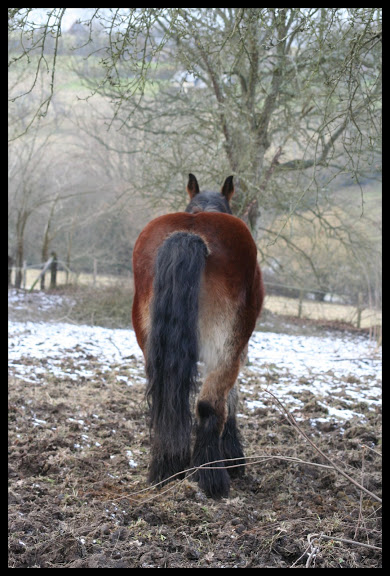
(300, 304)
(10, 264)
(24, 276)
(46, 266)
(94, 271)
(42, 287)
(53, 271)
(359, 310)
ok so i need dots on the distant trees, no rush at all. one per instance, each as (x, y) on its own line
(286, 99)
(293, 82)
(283, 90)
(66, 192)
(27, 193)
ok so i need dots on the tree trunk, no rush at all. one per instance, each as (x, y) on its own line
(19, 257)
(19, 263)
(10, 264)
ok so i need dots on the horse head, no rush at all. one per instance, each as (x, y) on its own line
(209, 201)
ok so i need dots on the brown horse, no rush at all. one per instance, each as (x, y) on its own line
(198, 294)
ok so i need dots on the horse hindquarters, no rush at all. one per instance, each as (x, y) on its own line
(172, 351)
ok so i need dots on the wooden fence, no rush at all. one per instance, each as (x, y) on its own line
(19, 275)
(297, 304)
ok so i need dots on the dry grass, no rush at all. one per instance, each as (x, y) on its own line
(323, 311)
(118, 301)
(83, 279)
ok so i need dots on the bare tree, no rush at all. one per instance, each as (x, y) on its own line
(26, 193)
(287, 99)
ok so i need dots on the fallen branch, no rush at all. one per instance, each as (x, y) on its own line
(291, 420)
(314, 547)
(207, 465)
(346, 541)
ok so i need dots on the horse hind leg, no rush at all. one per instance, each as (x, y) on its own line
(231, 444)
(213, 477)
(212, 415)
(167, 463)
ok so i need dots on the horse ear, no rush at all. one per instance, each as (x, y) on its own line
(227, 189)
(192, 186)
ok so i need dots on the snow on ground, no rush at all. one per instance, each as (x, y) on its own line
(42, 300)
(72, 351)
(346, 365)
(342, 365)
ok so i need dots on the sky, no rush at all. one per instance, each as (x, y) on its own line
(71, 15)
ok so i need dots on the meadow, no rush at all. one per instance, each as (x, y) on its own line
(370, 318)
(79, 443)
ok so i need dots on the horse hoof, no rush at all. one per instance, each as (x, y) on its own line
(164, 470)
(215, 483)
(235, 471)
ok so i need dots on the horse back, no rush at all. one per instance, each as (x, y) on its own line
(231, 285)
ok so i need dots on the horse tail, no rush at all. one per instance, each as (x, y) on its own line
(172, 350)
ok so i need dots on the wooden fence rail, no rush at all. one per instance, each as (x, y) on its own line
(301, 306)
(51, 265)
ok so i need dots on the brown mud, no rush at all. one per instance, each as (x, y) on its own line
(78, 497)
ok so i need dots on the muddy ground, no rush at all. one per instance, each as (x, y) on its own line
(78, 497)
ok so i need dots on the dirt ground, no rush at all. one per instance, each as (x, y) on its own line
(78, 497)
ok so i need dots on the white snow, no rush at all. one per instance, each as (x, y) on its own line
(342, 365)
(50, 344)
(347, 366)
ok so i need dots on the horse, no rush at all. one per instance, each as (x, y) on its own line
(198, 292)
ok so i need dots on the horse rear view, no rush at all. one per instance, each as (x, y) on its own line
(198, 294)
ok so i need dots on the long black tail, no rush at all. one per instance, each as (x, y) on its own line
(172, 352)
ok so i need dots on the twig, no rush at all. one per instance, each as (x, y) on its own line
(345, 541)
(313, 550)
(372, 450)
(360, 518)
(208, 465)
(301, 556)
(294, 423)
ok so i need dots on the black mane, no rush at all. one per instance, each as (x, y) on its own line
(208, 202)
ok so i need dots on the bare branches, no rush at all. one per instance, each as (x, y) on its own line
(268, 50)
(287, 99)
(293, 422)
(36, 39)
